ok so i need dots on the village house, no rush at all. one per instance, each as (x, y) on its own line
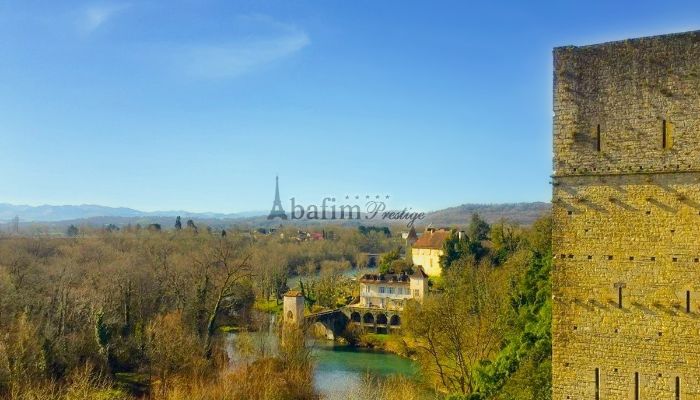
(426, 251)
(390, 291)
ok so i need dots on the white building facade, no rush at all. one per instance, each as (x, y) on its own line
(391, 291)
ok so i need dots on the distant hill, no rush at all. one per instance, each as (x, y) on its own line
(521, 213)
(48, 213)
(57, 218)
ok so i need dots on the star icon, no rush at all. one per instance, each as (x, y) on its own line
(347, 197)
(387, 196)
(367, 196)
(376, 197)
(357, 197)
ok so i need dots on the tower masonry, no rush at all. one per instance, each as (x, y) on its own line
(626, 212)
(293, 308)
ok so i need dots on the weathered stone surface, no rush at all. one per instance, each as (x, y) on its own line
(627, 215)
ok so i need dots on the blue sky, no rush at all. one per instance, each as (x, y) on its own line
(197, 105)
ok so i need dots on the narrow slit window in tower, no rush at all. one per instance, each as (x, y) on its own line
(597, 384)
(597, 138)
(636, 386)
(619, 297)
(663, 134)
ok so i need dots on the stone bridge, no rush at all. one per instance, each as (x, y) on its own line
(375, 320)
(333, 322)
(378, 320)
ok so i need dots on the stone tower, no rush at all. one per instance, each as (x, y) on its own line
(626, 209)
(293, 308)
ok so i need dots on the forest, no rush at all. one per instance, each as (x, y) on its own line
(138, 313)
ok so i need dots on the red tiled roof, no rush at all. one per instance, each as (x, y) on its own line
(432, 239)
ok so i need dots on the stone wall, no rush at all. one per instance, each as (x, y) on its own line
(626, 214)
(429, 259)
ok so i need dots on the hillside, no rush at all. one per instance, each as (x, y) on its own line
(51, 213)
(57, 218)
(521, 213)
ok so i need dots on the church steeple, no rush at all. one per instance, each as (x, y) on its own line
(277, 210)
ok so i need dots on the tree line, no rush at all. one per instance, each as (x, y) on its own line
(111, 312)
(485, 331)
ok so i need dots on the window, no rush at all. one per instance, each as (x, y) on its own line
(678, 388)
(391, 290)
(416, 293)
(666, 134)
(597, 138)
(619, 297)
(381, 289)
(619, 286)
(636, 386)
(687, 301)
(597, 384)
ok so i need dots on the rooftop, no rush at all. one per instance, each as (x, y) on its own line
(432, 239)
(385, 278)
(403, 277)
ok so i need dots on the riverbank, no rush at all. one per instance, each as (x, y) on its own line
(390, 343)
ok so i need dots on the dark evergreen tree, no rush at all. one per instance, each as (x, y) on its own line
(192, 226)
(478, 228)
(72, 231)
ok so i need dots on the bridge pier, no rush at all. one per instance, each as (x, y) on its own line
(293, 308)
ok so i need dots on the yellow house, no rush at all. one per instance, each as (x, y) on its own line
(426, 251)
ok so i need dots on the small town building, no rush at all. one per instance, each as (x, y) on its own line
(391, 291)
(428, 249)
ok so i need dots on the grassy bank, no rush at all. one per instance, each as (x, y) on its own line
(391, 343)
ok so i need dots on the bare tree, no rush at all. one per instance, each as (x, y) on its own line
(223, 270)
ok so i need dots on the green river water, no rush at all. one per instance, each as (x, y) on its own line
(339, 369)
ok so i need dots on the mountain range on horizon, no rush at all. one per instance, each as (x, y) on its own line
(96, 215)
(53, 213)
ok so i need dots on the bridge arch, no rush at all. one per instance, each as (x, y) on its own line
(395, 320)
(320, 329)
(381, 319)
(368, 318)
(355, 317)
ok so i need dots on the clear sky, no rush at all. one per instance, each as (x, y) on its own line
(197, 104)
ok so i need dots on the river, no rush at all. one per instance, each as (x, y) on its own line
(339, 369)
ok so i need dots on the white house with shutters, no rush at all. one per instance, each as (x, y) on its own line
(390, 291)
